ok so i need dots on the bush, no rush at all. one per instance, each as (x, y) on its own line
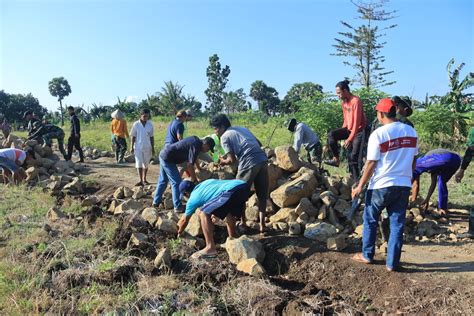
(321, 116)
(370, 98)
(437, 126)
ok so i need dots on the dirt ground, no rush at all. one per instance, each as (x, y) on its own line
(437, 277)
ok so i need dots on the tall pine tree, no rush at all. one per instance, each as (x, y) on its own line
(217, 79)
(362, 45)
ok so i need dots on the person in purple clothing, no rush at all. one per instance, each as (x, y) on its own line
(442, 165)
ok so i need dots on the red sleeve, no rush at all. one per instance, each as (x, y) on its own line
(357, 118)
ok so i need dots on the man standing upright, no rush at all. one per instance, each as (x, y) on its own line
(352, 129)
(175, 130)
(143, 145)
(389, 167)
(240, 144)
(75, 137)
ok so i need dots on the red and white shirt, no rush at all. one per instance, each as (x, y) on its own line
(394, 147)
(13, 154)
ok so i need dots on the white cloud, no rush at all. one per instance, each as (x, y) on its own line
(131, 98)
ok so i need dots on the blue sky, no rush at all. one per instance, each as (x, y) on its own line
(110, 48)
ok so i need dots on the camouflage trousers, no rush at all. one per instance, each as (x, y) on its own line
(59, 135)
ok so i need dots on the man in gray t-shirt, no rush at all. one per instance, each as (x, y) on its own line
(304, 136)
(240, 144)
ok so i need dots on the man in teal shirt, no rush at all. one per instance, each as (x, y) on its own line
(219, 198)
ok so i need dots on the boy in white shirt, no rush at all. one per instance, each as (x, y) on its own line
(390, 162)
(143, 145)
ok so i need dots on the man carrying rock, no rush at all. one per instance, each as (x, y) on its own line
(224, 199)
(48, 132)
(390, 162)
(74, 139)
(240, 144)
(442, 165)
(143, 145)
(351, 131)
(466, 160)
(33, 124)
(11, 162)
(184, 151)
(306, 137)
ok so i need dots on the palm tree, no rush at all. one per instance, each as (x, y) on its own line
(171, 98)
(60, 88)
(457, 100)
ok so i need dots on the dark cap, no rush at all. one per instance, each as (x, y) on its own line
(185, 186)
(209, 141)
(27, 113)
(403, 102)
(291, 124)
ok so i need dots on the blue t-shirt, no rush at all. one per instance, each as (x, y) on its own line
(174, 129)
(243, 144)
(206, 191)
(186, 150)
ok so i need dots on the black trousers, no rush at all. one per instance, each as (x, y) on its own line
(72, 142)
(338, 134)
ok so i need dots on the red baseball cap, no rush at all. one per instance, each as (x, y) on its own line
(385, 105)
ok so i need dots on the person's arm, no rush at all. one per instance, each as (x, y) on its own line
(424, 205)
(228, 159)
(112, 127)
(152, 141)
(191, 172)
(180, 132)
(466, 160)
(76, 126)
(196, 165)
(126, 129)
(36, 133)
(191, 207)
(415, 187)
(132, 148)
(183, 223)
(369, 169)
(298, 140)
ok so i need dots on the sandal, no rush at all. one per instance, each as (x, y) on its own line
(201, 255)
(139, 184)
(331, 163)
(146, 183)
(359, 257)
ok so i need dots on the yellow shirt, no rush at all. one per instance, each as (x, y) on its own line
(119, 128)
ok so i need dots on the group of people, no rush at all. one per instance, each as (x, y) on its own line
(383, 159)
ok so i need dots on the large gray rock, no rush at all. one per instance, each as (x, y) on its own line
(342, 207)
(90, 201)
(74, 187)
(274, 173)
(284, 215)
(138, 239)
(320, 231)
(194, 226)
(307, 207)
(287, 158)
(251, 267)
(150, 214)
(328, 198)
(129, 206)
(138, 193)
(167, 225)
(294, 228)
(292, 192)
(118, 194)
(163, 259)
(244, 248)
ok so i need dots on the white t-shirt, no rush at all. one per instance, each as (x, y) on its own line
(142, 134)
(393, 146)
(13, 154)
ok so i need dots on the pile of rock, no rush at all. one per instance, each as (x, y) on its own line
(94, 153)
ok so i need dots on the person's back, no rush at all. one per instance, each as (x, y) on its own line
(175, 128)
(208, 190)
(306, 135)
(186, 150)
(244, 145)
(13, 154)
(119, 128)
(397, 144)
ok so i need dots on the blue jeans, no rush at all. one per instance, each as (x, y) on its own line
(395, 199)
(168, 173)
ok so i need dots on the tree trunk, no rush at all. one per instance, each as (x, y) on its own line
(62, 112)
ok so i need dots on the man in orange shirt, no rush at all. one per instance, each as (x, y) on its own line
(120, 135)
(352, 129)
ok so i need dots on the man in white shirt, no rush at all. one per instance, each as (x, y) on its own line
(390, 162)
(304, 136)
(143, 145)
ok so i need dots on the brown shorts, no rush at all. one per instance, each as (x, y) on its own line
(258, 176)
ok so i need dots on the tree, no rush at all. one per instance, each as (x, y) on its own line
(190, 102)
(266, 97)
(217, 79)
(59, 87)
(12, 106)
(362, 44)
(171, 98)
(235, 101)
(299, 92)
(457, 100)
(152, 102)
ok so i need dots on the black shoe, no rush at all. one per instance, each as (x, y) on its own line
(331, 162)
